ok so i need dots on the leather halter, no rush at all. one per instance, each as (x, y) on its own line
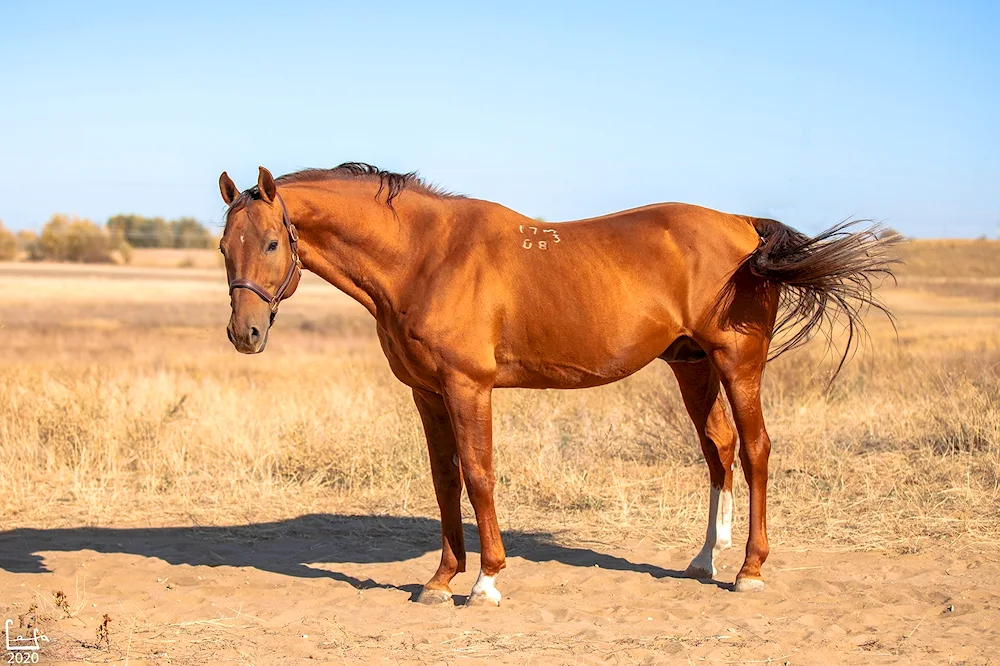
(296, 267)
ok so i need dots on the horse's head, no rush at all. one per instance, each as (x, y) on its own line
(260, 245)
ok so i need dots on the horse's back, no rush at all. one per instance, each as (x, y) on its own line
(689, 226)
(676, 250)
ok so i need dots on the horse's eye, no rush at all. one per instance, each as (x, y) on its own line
(272, 246)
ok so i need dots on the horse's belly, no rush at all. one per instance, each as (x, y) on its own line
(579, 363)
(555, 375)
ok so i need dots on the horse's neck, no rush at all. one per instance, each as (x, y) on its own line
(358, 244)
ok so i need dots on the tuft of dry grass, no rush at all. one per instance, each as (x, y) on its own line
(121, 401)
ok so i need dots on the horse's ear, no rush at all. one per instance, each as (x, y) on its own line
(265, 183)
(228, 189)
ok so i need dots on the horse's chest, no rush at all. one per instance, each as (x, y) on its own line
(409, 359)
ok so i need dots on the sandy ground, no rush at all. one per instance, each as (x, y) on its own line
(339, 589)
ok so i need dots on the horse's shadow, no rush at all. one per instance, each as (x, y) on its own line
(289, 547)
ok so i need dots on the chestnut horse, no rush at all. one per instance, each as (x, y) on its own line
(469, 296)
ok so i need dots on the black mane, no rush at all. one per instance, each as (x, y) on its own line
(389, 182)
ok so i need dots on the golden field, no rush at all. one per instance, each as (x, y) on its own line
(123, 404)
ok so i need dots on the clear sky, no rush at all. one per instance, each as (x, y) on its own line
(563, 110)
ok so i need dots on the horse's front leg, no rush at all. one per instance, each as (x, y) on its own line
(469, 405)
(447, 476)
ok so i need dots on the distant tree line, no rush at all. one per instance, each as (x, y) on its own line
(8, 244)
(182, 233)
(70, 238)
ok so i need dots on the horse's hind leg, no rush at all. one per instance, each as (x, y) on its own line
(447, 476)
(703, 399)
(740, 364)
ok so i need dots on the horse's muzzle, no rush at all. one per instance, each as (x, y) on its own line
(251, 340)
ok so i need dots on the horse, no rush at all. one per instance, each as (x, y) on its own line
(469, 296)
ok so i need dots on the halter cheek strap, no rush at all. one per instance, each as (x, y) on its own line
(294, 269)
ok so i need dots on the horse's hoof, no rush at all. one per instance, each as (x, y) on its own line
(747, 584)
(701, 573)
(432, 597)
(483, 599)
(484, 592)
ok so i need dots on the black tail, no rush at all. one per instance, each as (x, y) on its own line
(823, 278)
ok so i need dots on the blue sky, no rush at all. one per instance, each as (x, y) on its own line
(792, 110)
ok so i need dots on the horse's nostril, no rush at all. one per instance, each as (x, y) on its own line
(254, 334)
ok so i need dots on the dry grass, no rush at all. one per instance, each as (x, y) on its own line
(176, 258)
(954, 258)
(121, 401)
(962, 268)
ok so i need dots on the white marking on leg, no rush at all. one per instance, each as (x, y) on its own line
(718, 535)
(724, 524)
(484, 589)
(702, 564)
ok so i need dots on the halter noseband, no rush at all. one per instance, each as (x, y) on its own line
(296, 267)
